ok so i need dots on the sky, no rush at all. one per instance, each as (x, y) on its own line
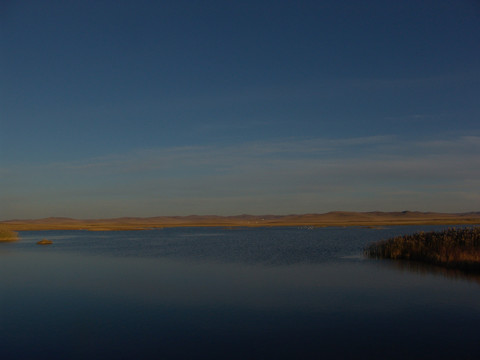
(141, 108)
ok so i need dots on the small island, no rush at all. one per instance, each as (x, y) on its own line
(454, 248)
(45, 242)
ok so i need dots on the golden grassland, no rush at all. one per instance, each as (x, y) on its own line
(7, 234)
(338, 218)
(451, 248)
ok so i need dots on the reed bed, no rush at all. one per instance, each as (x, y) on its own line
(8, 235)
(453, 248)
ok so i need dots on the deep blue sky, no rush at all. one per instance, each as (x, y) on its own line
(141, 108)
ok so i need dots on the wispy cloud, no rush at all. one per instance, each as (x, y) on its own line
(415, 117)
(288, 175)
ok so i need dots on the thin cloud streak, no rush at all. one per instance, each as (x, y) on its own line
(147, 159)
(284, 176)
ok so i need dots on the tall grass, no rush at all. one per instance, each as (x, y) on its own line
(452, 248)
(8, 235)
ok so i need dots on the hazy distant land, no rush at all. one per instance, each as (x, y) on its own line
(337, 218)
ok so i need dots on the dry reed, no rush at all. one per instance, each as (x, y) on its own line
(453, 248)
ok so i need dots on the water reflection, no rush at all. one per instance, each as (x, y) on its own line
(268, 246)
(227, 294)
(78, 306)
(423, 269)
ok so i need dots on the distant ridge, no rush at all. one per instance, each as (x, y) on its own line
(333, 218)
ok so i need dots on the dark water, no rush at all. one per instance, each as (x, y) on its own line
(213, 293)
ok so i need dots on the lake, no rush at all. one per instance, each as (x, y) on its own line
(240, 293)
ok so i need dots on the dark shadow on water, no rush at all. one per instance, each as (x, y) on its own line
(428, 269)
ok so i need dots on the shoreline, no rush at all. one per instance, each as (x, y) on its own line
(332, 219)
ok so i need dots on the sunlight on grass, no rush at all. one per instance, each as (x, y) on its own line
(452, 248)
(8, 235)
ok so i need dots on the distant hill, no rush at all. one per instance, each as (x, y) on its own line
(334, 218)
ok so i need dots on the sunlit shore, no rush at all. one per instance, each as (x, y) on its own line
(333, 219)
(7, 234)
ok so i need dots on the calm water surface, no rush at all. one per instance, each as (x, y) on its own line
(213, 293)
